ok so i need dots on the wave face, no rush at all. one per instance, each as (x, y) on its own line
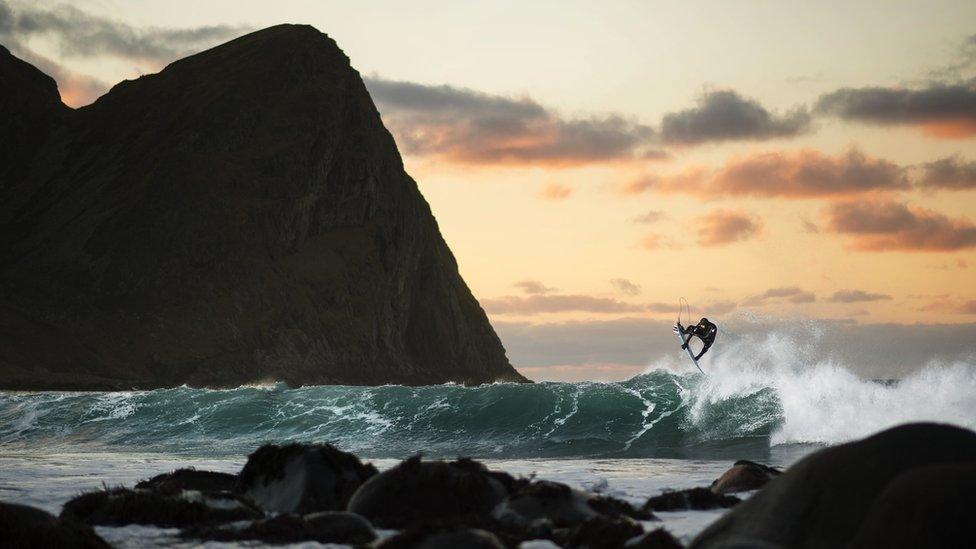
(758, 395)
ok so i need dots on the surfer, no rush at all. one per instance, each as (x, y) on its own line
(705, 331)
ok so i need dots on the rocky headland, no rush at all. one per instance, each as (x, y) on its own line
(242, 216)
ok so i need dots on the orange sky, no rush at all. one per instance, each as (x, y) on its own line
(597, 163)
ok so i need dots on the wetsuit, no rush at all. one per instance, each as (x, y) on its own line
(704, 331)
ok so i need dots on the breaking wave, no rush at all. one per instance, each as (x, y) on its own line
(758, 395)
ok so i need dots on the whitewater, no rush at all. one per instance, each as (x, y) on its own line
(762, 398)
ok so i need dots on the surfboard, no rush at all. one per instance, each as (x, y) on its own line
(679, 329)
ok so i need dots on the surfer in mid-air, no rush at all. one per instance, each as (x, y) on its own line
(705, 330)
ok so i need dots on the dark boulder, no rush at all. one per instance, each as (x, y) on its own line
(656, 539)
(602, 532)
(698, 499)
(24, 527)
(924, 507)
(424, 538)
(561, 506)
(822, 500)
(743, 476)
(302, 478)
(121, 506)
(190, 479)
(418, 491)
(324, 527)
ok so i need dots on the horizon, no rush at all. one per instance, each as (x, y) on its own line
(821, 176)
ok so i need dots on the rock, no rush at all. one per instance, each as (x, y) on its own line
(190, 479)
(822, 500)
(241, 216)
(325, 527)
(744, 476)
(423, 539)
(418, 491)
(121, 507)
(561, 506)
(602, 532)
(698, 499)
(655, 539)
(302, 478)
(26, 527)
(924, 507)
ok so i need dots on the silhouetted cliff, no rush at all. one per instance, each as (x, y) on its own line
(241, 216)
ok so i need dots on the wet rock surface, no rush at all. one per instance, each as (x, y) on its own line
(122, 506)
(302, 478)
(190, 479)
(426, 538)
(324, 527)
(825, 498)
(25, 527)
(744, 476)
(239, 217)
(697, 499)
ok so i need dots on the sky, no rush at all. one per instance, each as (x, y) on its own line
(589, 164)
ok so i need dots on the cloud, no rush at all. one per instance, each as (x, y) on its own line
(724, 115)
(557, 303)
(880, 226)
(968, 308)
(723, 227)
(782, 174)
(652, 216)
(555, 191)
(793, 294)
(942, 110)
(656, 241)
(79, 34)
(806, 174)
(856, 296)
(534, 287)
(625, 286)
(467, 126)
(951, 172)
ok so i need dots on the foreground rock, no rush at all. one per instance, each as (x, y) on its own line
(825, 499)
(744, 476)
(122, 506)
(426, 538)
(697, 499)
(302, 478)
(27, 527)
(241, 216)
(562, 506)
(325, 527)
(415, 492)
(924, 507)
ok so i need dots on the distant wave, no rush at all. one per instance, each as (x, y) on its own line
(757, 394)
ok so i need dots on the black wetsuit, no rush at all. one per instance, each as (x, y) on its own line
(704, 331)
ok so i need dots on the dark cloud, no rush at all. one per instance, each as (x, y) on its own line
(653, 216)
(557, 303)
(951, 172)
(724, 115)
(793, 294)
(79, 34)
(856, 296)
(534, 287)
(946, 110)
(782, 174)
(723, 227)
(468, 126)
(886, 225)
(625, 286)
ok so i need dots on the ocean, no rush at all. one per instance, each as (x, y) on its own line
(663, 429)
